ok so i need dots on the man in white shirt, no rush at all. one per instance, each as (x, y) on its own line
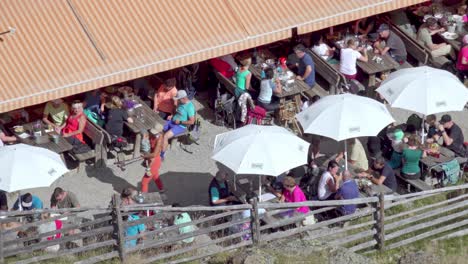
(348, 59)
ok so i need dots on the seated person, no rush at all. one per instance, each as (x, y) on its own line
(93, 100)
(452, 136)
(75, 123)
(219, 190)
(164, 103)
(357, 155)
(3, 201)
(28, 202)
(393, 44)
(305, 66)
(115, 117)
(348, 190)
(126, 196)
(411, 156)
(293, 194)
(63, 199)
(364, 26)
(431, 127)
(6, 139)
(243, 78)
(397, 138)
(348, 58)
(133, 230)
(57, 110)
(177, 124)
(401, 20)
(329, 181)
(322, 49)
(386, 175)
(425, 33)
(183, 218)
(267, 89)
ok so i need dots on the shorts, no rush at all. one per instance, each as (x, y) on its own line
(176, 129)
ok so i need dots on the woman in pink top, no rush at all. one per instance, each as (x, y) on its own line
(293, 194)
(164, 104)
(462, 61)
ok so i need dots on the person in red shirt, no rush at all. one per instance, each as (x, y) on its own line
(462, 61)
(222, 67)
(152, 172)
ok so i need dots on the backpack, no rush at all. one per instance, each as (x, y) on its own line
(94, 117)
(194, 133)
(451, 173)
(119, 142)
(255, 115)
(185, 80)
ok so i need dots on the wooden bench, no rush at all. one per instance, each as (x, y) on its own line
(328, 72)
(228, 84)
(418, 184)
(97, 138)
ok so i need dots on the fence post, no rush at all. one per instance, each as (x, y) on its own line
(118, 225)
(255, 222)
(379, 217)
(2, 259)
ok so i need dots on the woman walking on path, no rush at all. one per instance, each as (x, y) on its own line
(152, 171)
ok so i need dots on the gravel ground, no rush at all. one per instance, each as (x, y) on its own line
(186, 176)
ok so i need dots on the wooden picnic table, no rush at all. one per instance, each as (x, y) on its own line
(144, 118)
(44, 141)
(371, 67)
(445, 155)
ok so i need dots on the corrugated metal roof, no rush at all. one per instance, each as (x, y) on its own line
(65, 47)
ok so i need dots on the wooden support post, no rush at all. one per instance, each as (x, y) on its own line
(118, 225)
(255, 222)
(380, 225)
(2, 259)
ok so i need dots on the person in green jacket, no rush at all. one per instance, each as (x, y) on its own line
(411, 156)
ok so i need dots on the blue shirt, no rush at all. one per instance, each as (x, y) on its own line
(133, 231)
(303, 63)
(184, 112)
(349, 190)
(36, 204)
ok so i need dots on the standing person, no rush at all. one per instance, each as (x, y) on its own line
(386, 175)
(452, 135)
(348, 190)
(397, 146)
(177, 124)
(115, 117)
(63, 199)
(58, 112)
(75, 124)
(164, 103)
(218, 190)
(329, 181)
(28, 202)
(267, 89)
(425, 33)
(243, 77)
(50, 226)
(348, 58)
(306, 66)
(152, 172)
(393, 44)
(411, 156)
(462, 60)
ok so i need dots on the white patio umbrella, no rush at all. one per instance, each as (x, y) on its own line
(260, 150)
(25, 166)
(424, 90)
(345, 116)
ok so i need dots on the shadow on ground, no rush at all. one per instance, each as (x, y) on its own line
(107, 175)
(184, 188)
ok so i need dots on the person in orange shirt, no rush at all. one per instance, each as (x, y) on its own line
(164, 104)
(152, 172)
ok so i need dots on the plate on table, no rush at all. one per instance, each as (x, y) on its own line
(24, 135)
(450, 36)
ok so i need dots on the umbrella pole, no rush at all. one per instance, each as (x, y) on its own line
(235, 182)
(346, 154)
(259, 187)
(422, 130)
(20, 204)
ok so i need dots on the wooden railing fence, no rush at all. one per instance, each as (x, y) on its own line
(382, 223)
